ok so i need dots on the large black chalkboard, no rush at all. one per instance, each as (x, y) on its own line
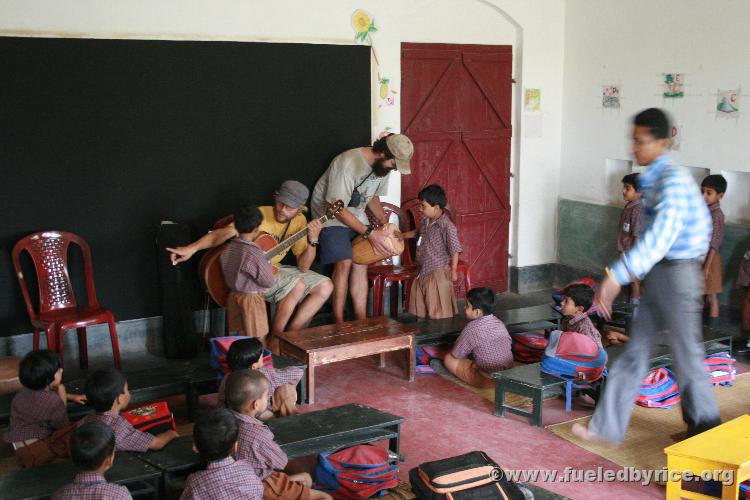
(105, 138)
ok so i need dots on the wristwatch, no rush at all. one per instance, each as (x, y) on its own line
(313, 243)
(366, 234)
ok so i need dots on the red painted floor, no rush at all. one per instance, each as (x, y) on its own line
(443, 419)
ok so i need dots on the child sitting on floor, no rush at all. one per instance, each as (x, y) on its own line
(713, 188)
(39, 422)
(247, 397)
(431, 294)
(248, 354)
(215, 439)
(92, 448)
(107, 392)
(575, 308)
(484, 345)
(248, 274)
(631, 226)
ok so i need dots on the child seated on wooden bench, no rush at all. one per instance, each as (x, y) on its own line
(247, 397)
(107, 392)
(39, 425)
(575, 310)
(92, 448)
(247, 354)
(215, 439)
(484, 345)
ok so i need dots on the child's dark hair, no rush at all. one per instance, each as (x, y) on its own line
(37, 369)
(631, 180)
(657, 122)
(716, 182)
(244, 353)
(434, 195)
(244, 386)
(102, 388)
(380, 146)
(215, 433)
(581, 295)
(247, 219)
(481, 298)
(91, 444)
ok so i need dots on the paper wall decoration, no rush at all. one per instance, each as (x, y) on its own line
(387, 94)
(728, 102)
(674, 85)
(611, 96)
(532, 100)
(363, 24)
(676, 137)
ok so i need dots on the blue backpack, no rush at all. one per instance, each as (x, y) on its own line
(658, 390)
(574, 356)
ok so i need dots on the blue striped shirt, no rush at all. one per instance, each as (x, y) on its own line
(678, 224)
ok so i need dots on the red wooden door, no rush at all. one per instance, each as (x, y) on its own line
(456, 109)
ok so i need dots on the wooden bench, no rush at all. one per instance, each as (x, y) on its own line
(189, 377)
(352, 339)
(300, 435)
(446, 331)
(528, 380)
(41, 482)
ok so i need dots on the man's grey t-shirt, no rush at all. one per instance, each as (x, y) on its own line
(345, 172)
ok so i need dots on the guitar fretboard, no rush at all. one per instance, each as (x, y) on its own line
(284, 245)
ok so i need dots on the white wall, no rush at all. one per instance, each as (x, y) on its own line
(632, 43)
(533, 27)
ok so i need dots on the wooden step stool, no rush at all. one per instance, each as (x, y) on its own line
(723, 448)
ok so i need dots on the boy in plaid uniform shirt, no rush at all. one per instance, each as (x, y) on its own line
(431, 294)
(713, 188)
(39, 424)
(484, 345)
(215, 439)
(631, 225)
(92, 448)
(575, 307)
(247, 354)
(247, 397)
(107, 392)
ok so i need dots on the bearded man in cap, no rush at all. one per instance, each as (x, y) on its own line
(292, 284)
(358, 177)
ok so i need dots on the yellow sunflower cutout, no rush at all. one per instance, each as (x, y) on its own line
(363, 25)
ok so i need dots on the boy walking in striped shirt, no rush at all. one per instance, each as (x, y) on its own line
(669, 259)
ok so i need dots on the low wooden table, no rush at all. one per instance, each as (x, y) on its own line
(352, 339)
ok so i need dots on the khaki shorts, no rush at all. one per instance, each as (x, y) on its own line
(287, 278)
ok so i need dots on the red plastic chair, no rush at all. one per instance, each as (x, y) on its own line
(58, 310)
(414, 216)
(384, 272)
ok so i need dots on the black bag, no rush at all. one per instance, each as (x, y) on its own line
(473, 476)
(178, 292)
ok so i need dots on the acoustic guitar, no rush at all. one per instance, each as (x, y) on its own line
(209, 268)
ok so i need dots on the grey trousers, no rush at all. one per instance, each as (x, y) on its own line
(672, 300)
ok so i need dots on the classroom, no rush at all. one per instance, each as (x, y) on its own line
(374, 233)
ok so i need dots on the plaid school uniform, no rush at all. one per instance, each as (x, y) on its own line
(91, 486)
(276, 378)
(715, 272)
(256, 445)
(487, 340)
(631, 226)
(35, 415)
(581, 324)
(431, 294)
(225, 479)
(127, 437)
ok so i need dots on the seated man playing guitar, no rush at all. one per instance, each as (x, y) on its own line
(291, 284)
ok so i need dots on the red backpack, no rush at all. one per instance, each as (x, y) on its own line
(721, 369)
(658, 390)
(153, 418)
(362, 471)
(528, 347)
(574, 356)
